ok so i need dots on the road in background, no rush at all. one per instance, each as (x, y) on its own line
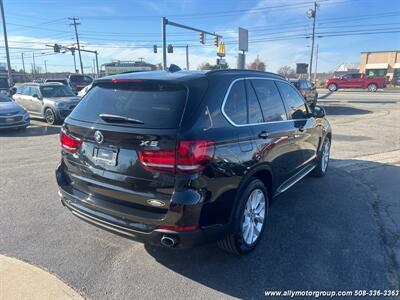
(335, 233)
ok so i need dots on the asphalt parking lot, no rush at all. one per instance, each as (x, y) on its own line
(341, 232)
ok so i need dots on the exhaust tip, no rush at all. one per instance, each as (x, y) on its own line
(168, 241)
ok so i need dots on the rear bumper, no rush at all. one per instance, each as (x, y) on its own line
(142, 226)
(19, 125)
(151, 235)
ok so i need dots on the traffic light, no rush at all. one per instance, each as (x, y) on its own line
(216, 41)
(155, 48)
(201, 38)
(57, 48)
(170, 49)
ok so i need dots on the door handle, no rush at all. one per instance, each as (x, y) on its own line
(263, 134)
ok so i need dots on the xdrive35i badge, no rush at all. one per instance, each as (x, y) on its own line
(98, 137)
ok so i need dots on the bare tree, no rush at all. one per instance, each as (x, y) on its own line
(287, 71)
(257, 64)
(208, 66)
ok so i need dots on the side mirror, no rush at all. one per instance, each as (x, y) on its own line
(318, 112)
(36, 96)
(13, 91)
(313, 86)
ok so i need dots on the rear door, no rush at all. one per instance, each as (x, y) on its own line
(108, 165)
(274, 133)
(306, 136)
(35, 103)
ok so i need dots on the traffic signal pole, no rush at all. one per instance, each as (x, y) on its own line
(166, 22)
(187, 57)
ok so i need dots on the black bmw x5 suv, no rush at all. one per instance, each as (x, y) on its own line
(183, 158)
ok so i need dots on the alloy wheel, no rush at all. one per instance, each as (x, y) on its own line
(253, 217)
(325, 155)
(49, 116)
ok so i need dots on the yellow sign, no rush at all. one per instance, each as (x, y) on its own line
(221, 49)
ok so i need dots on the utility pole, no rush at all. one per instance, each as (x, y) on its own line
(10, 79)
(23, 62)
(45, 67)
(312, 13)
(316, 64)
(187, 57)
(34, 66)
(74, 19)
(73, 55)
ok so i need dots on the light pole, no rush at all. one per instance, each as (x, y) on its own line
(10, 79)
(312, 13)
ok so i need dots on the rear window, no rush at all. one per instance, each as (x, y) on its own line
(156, 104)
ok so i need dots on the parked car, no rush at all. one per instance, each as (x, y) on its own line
(80, 81)
(51, 101)
(307, 89)
(12, 115)
(355, 80)
(65, 82)
(83, 91)
(183, 158)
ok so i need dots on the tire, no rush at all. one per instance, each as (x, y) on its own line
(372, 87)
(323, 160)
(50, 117)
(332, 87)
(243, 239)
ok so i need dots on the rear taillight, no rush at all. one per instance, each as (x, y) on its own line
(69, 143)
(188, 157)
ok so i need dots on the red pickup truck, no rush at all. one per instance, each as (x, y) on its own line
(355, 81)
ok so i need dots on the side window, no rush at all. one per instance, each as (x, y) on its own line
(270, 100)
(346, 77)
(255, 114)
(235, 106)
(294, 102)
(28, 90)
(21, 90)
(356, 76)
(34, 90)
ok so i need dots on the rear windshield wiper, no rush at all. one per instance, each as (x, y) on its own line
(121, 119)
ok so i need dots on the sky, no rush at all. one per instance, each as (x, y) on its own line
(279, 30)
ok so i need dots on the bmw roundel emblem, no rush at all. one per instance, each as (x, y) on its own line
(98, 137)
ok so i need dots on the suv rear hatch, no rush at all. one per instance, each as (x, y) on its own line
(119, 144)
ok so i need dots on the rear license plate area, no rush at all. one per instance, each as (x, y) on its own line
(105, 156)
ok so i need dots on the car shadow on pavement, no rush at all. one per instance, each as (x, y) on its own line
(321, 235)
(325, 95)
(32, 130)
(344, 110)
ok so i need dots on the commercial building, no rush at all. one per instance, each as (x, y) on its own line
(118, 67)
(381, 63)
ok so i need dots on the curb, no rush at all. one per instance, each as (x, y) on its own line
(20, 280)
